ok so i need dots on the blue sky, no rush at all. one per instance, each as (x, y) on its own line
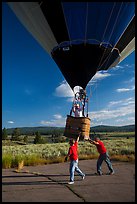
(35, 93)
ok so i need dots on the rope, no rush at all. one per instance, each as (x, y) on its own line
(86, 23)
(105, 32)
(111, 35)
(97, 99)
(96, 85)
(66, 23)
(37, 6)
(113, 47)
(108, 22)
(115, 21)
(41, 3)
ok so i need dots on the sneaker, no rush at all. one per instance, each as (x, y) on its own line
(71, 182)
(83, 177)
(98, 173)
(111, 173)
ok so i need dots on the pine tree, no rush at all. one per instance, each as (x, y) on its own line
(16, 134)
(25, 139)
(37, 139)
(4, 134)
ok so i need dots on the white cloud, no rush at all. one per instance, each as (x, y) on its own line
(70, 99)
(123, 115)
(43, 122)
(122, 90)
(57, 116)
(128, 121)
(48, 123)
(60, 122)
(129, 65)
(132, 80)
(118, 114)
(124, 66)
(64, 90)
(99, 76)
(112, 103)
(10, 122)
(125, 89)
(119, 66)
(133, 87)
(124, 102)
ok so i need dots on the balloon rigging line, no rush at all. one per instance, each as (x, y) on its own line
(115, 22)
(94, 88)
(104, 34)
(41, 3)
(37, 6)
(108, 22)
(86, 23)
(104, 30)
(97, 101)
(111, 34)
(113, 31)
(66, 22)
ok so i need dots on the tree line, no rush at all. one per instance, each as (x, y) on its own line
(60, 130)
(38, 139)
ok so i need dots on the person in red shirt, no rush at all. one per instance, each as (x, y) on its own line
(103, 156)
(73, 156)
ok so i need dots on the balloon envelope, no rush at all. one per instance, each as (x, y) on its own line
(81, 37)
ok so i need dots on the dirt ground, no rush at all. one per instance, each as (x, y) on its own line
(49, 183)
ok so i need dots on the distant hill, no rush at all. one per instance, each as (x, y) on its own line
(32, 130)
(51, 130)
(103, 128)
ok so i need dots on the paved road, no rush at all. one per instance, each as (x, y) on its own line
(48, 183)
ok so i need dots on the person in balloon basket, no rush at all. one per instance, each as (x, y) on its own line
(77, 110)
(73, 156)
(103, 156)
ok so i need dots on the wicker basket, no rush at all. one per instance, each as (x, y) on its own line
(75, 125)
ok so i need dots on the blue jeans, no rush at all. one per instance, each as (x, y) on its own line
(74, 167)
(104, 157)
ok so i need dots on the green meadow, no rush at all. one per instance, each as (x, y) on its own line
(119, 148)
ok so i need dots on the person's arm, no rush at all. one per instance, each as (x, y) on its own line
(96, 143)
(66, 158)
(77, 140)
(93, 142)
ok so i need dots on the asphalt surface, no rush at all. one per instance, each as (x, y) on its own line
(49, 183)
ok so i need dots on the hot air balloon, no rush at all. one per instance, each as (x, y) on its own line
(82, 38)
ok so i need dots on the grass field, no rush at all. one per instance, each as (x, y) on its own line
(120, 148)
